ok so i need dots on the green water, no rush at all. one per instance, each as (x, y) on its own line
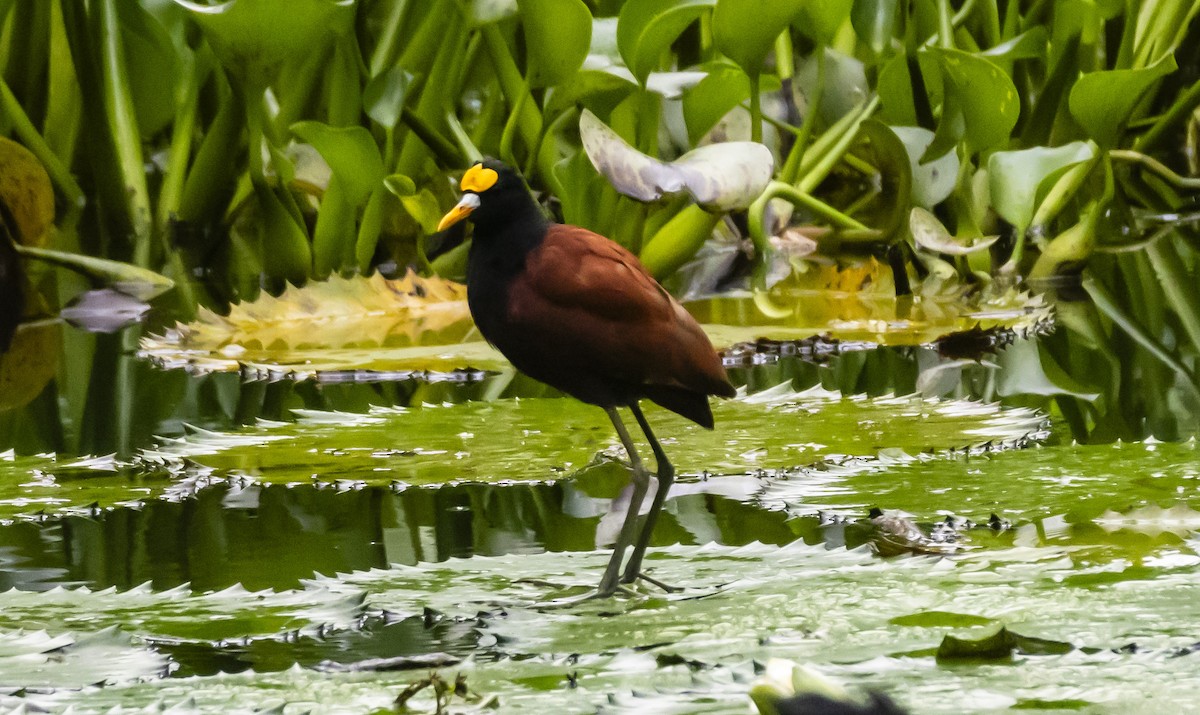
(324, 558)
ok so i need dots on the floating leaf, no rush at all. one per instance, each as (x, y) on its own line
(38, 660)
(930, 234)
(858, 305)
(648, 27)
(1102, 102)
(746, 30)
(404, 325)
(719, 177)
(557, 36)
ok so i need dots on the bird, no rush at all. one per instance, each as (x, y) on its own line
(580, 313)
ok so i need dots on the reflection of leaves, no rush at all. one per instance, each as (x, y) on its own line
(104, 311)
(12, 292)
(29, 364)
(858, 302)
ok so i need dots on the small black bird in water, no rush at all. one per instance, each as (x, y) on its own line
(580, 313)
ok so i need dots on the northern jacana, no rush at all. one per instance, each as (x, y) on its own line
(580, 313)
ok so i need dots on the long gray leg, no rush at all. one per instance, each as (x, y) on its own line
(641, 481)
(666, 476)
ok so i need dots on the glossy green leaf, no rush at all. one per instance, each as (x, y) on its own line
(351, 153)
(647, 28)
(1102, 102)
(255, 38)
(932, 181)
(745, 30)
(719, 177)
(721, 90)
(153, 68)
(822, 20)
(1014, 177)
(586, 87)
(124, 277)
(384, 95)
(557, 36)
(875, 22)
(980, 104)
(1030, 44)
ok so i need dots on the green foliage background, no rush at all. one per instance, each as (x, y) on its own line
(238, 146)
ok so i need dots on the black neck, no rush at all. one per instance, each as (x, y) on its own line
(503, 235)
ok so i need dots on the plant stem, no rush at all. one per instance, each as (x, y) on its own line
(29, 136)
(1162, 170)
(828, 159)
(1106, 304)
(755, 109)
(122, 120)
(791, 168)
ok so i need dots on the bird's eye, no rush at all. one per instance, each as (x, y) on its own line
(479, 179)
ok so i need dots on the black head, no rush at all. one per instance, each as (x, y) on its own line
(494, 194)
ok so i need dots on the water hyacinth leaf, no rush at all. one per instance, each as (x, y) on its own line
(351, 153)
(1014, 177)
(254, 39)
(1102, 102)
(384, 95)
(824, 19)
(932, 181)
(930, 234)
(104, 311)
(846, 86)
(648, 27)
(980, 103)
(874, 22)
(153, 68)
(1028, 45)
(745, 30)
(129, 279)
(722, 89)
(886, 152)
(589, 86)
(719, 177)
(486, 12)
(558, 34)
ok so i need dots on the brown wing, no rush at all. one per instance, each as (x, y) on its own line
(596, 309)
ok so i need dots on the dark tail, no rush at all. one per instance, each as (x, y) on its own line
(692, 405)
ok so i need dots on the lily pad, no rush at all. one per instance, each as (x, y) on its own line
(719, 177)
(857, 306)
(398, 327)
(546, 439)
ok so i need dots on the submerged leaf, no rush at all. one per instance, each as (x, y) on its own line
(719, 177)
